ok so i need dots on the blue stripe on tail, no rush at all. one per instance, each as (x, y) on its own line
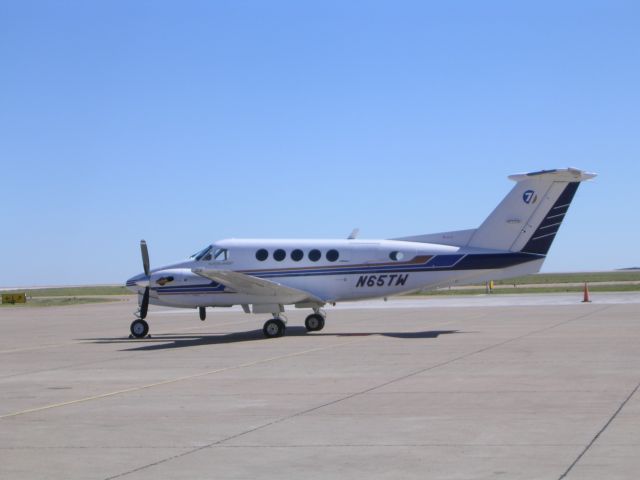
(541, 240)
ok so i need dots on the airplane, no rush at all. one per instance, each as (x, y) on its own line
(265, 275)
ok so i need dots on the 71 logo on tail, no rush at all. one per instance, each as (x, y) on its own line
(529, 197)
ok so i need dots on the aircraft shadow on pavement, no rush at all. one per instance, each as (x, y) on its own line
(168, 341)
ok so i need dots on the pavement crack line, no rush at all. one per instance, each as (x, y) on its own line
(600, 432)
(353, 395)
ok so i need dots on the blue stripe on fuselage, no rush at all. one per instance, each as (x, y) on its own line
(212, 287)
(480, 261)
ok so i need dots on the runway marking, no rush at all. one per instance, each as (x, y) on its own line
(175, 380)
(353, 395)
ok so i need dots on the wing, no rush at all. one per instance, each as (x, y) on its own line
(251, 285)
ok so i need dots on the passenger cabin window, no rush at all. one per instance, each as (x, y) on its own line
(262, 255)
(396, 256)
(332, 255)
(279, 255)
(314, 255)
(297, 255)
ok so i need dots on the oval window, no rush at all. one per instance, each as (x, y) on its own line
(262, 255)
(279, 255)
(297, 255)
(396, 256)
(332, 255)
(314, 255)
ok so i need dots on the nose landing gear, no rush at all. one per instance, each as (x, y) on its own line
(139, 328)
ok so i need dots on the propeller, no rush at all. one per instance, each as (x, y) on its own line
(145, 256)
(144, 305)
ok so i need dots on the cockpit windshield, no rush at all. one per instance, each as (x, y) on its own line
(202, 253)
(209, 253)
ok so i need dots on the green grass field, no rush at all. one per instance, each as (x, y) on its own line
(630, 281)
(614, 281)
(591, 277)
(47, 297)
(593, 288)
(59, 301)
(73, 291)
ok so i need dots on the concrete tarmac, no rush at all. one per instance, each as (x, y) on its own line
(464, 388)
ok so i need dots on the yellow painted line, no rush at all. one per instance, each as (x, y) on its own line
(174, 380)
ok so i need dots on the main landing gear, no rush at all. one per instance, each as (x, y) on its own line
(314, 322)
(276, 327)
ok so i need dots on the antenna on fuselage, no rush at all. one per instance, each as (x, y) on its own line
(354, 233)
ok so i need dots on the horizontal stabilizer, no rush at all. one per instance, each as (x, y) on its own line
(558, 175)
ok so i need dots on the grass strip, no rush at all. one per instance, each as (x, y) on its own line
(73, 291)
(58, 301)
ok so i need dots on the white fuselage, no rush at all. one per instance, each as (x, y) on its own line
(332, 270)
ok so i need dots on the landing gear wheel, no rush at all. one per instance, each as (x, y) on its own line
(314, 322)
(203, 313)
(274, 328)
(139, 328)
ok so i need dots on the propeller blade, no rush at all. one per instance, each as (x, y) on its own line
(145, 257)
(144, 306)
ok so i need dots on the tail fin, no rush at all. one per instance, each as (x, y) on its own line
(529, 217)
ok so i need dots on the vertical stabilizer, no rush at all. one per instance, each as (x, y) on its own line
(529, 217)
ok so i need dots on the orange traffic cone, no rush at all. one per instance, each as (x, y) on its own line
(586, 298)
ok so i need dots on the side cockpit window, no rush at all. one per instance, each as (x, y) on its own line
(211, 253)
(221, 255)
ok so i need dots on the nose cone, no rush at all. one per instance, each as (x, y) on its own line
(137, 282)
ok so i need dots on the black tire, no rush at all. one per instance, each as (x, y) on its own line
(274, 328)
(139, 328)
(314, 322)
(202, 311)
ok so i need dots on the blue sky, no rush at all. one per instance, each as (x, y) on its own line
(186, 122)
